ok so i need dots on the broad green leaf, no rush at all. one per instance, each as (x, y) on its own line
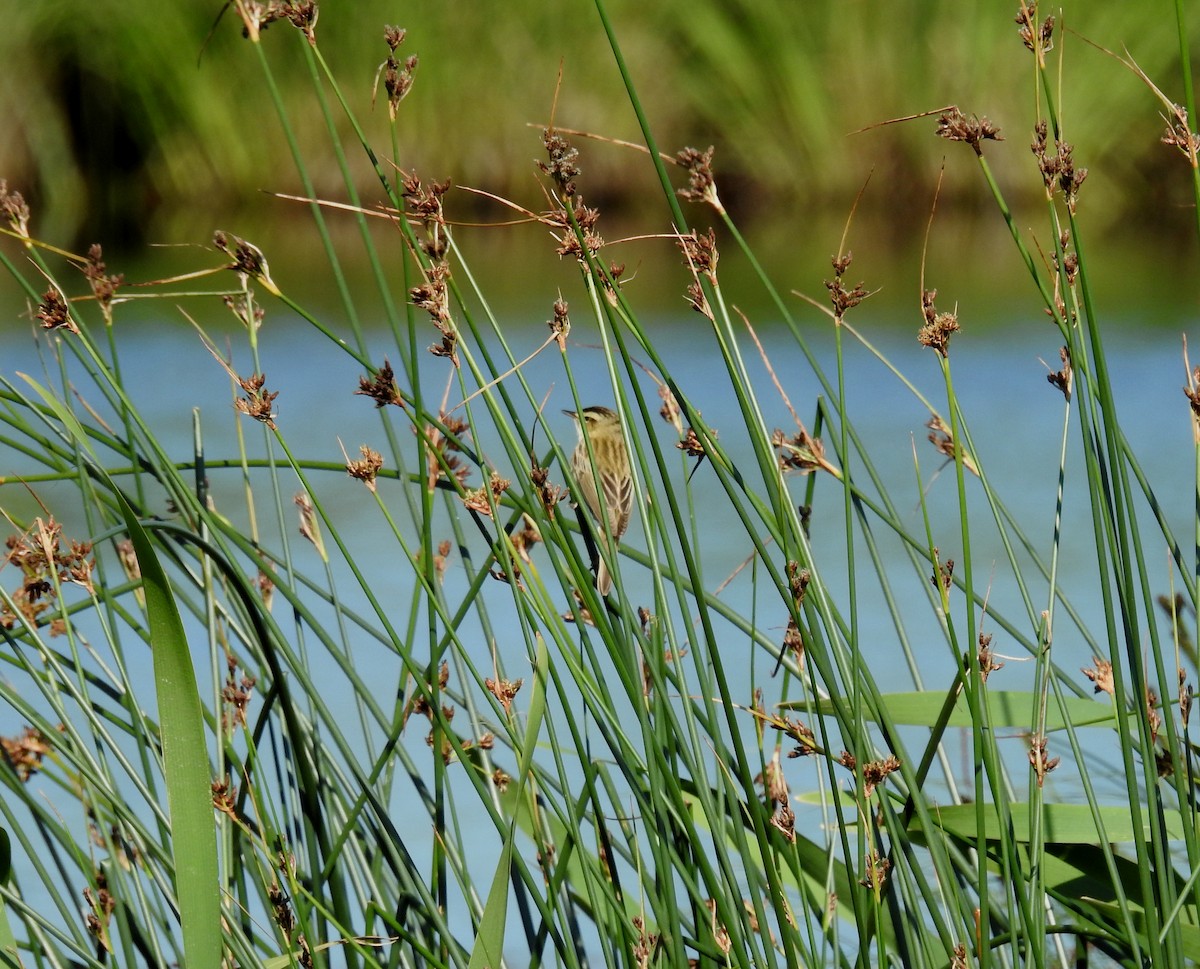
(1005, 709)
(181, 724)
(1075, 871)
(1061, 823)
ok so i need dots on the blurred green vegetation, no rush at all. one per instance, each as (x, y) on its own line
(139, 120)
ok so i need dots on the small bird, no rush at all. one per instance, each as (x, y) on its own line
(612, 470)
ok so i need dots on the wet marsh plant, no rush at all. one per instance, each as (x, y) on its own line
(420, 736)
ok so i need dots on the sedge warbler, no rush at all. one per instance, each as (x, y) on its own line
(612, 504)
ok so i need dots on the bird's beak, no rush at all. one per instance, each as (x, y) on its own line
(571, 413)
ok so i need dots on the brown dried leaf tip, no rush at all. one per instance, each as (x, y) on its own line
(953, 125)
(1058, 170)
(505, 691)
(701, 187)
(843, 299)
(367, 468)
(381, 387)
(14, 210)
(397, 75)
(44, 566)
(987, 661)
(1041, 764)
(1036, 37)
(24, 753)
(939, 327)
(258, 402)
(478, 500)
(560, 326)
(1062, 378)
(561, 166)
(1101, 674)
(54, 312)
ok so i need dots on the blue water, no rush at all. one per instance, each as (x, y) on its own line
(1015, 419)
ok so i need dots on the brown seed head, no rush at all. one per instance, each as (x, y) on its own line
(54, 312)
(938, 328)
(367, 468)
(953, 125)
(561, 166)
(701, 187)
(14, 210)
(381, 387)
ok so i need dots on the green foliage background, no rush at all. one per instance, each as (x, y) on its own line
(123, 124)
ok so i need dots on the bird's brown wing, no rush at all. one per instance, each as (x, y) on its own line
(618, 495)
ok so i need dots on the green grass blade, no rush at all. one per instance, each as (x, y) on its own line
(8, 942)
(185, 760)
(489, 941)
(181, 725)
